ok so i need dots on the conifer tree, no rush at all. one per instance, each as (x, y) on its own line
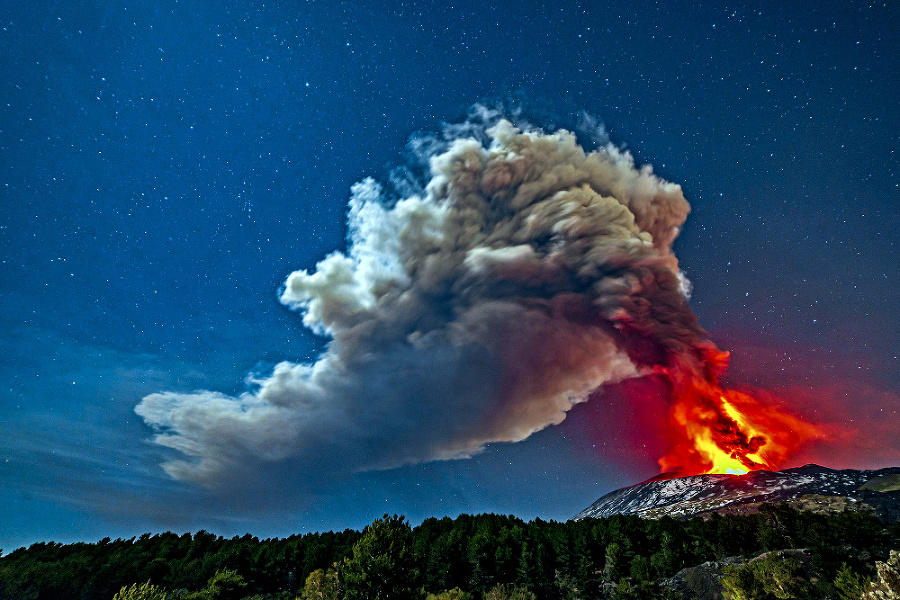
(382, 563)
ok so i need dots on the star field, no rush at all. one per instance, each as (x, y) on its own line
(166, 165)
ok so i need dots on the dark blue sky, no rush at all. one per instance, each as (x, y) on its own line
(167, 164)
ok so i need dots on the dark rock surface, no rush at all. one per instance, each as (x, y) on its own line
(887, 585)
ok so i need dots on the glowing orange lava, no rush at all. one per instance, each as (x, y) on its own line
(715, 430)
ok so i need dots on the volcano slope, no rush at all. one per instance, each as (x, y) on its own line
(810, 487)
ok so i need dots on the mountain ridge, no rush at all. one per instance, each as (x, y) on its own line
(811, 487)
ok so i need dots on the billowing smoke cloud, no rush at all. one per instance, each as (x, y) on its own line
(525, 274)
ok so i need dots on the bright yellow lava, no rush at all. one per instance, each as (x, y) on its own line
(722, 461)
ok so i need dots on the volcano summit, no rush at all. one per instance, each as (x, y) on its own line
(810, 487)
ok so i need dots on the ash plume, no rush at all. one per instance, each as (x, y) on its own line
(521, 276)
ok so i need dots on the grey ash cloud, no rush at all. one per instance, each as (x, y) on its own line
(524, 275)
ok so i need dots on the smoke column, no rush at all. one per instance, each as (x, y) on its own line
(525, 274)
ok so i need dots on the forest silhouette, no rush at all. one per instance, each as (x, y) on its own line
(489, 556)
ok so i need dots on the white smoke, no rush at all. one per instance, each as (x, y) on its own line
(479, 310)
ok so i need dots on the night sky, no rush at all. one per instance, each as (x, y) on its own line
(166, 165)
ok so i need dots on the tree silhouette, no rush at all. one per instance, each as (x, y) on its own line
(382, 563)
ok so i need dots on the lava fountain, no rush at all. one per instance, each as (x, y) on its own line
(714, 430)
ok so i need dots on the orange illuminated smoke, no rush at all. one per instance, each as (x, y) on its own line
(715, 430)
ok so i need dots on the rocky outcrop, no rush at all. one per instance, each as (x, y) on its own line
(887, 585)
(704, 582)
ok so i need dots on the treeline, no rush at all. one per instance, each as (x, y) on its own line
(472, 556)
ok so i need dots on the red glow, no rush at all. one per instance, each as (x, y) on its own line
(716, 430)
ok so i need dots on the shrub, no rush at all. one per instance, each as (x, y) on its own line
(768, 577)
(508, 592)
(454, 594)
(145, 591)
